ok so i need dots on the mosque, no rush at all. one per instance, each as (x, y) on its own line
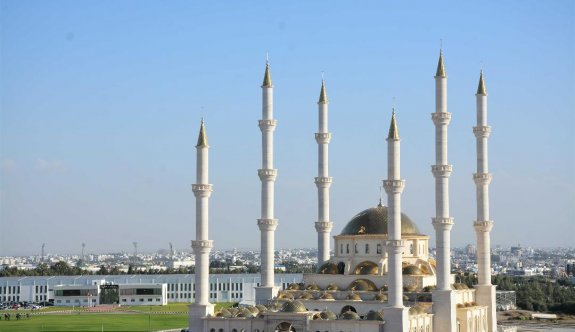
(380, 277)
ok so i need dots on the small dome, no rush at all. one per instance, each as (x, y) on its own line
(233, 311)
(328, 268)
(224, 313)
(380, 297)
(293, 306)
(366, 268)
(412, 270)
(362, 285)
(253, 309)
(296, 286)
(374, 221)
(374, 315)
(261, 308)
(326, 296)
(306, 296)
(313, 287)
(327, 314)
(349, 315)
(332, 287)
(353, 297)
(285, 295)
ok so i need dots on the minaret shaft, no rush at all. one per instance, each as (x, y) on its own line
(202, 245)
(323, 181)
(485, 292)
(267, 174)
(445, 313)
(394, 187)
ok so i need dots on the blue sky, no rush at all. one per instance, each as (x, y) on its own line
(101, 102)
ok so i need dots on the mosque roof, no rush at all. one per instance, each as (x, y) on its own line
(374, 221)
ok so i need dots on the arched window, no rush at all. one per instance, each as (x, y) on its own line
(234, 330)
(341, 248)
(347, 248)
(379, 248)
(367, 248)
(411, 248)
(212, 330)
(355, 248)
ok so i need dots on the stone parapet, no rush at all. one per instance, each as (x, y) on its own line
(322, 138)
(267, 224)
(268, 174)
(202, 190)
(441, 171)
(442, 118)
(482, 131)
(267, 125)
(393, 186)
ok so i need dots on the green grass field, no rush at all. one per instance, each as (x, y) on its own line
(95, 322)
(125, 318)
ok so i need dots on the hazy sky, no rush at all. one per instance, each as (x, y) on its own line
(101, 103)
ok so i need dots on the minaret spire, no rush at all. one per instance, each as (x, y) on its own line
(444, 319)
(202, 245)
(485, 292)
(267, 174)
(394, 187)
(323, 181)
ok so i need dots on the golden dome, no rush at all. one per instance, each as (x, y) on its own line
(224, 313)
(295, 286)
(362, 285)
(416, 310)
(380, 297)
(306, 296)
(326, 296)
(285, 295)
(349, 315)
(328, 268)
(412, 270)
(293, 306)
(327, 314)
(374, 221)
(261, 308)
(332, 287)
(313, 287)
(366, 268)
(374, 315)
(353, 297)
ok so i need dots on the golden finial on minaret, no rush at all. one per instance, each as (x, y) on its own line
(322, 93)
(393, 132)
(202, 138)
(481, 90)
(440, 66)
(267, 75)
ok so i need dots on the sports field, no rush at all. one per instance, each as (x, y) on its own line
(153, 318)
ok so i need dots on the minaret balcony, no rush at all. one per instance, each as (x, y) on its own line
(442, 118)
(443, 224)
(393, 186)
(482, 131)
(322, 138)
(323, 181)
(267, 125)
(202, 190)
(483, 225)
(202, 246)
(482, 179)
(395, 245)
(267, 224)
(441, 171)
(268, 174)
(323, 226)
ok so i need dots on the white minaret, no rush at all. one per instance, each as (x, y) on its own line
(267, 223)
(394, 187)
(485, 292)
(201, 246)
(444, 302)
(323, 181)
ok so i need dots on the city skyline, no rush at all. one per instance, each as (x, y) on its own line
(101, 107)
